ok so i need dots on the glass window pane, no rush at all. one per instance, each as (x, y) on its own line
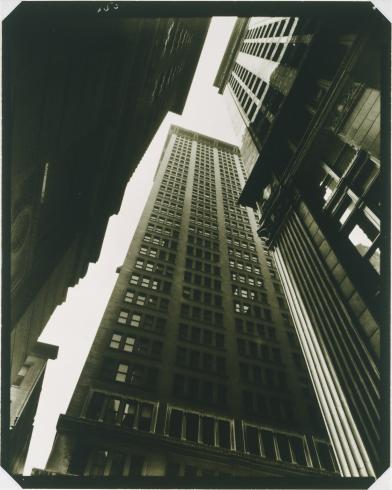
(129, 412)
(252, 440)
(175, 423)
(284, 449)
(297, 445)
(145, 417)
(224, 433)
(207, 430)
(95, 406)
(192, 427)
(268, 444)
(325, 456)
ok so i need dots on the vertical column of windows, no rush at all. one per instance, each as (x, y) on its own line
(201, 339)
(260, 358)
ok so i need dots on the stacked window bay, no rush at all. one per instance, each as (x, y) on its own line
(195, 369)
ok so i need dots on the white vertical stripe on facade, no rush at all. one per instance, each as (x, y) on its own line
(346, 440)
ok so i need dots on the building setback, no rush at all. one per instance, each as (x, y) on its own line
(84, 95)
(25, 393)
(314, 174)
(195, 369)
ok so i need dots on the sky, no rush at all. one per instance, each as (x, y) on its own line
(74, 324)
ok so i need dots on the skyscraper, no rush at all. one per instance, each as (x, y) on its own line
(195, 369)
(317, 180)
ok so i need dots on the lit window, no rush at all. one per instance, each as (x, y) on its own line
(135, 320)
(115, 342)
(134, 279)
(149, 266)
(145, 282)
(121, 373)
(129, 344)
(123, 316)
(141, 299)
(129, 295)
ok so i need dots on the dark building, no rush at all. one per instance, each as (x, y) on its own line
(25, 394)
(315, 176)
(195, 369)
(84, 95)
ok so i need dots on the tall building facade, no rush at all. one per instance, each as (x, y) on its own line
(85, 93)
(316, 179)
(258, 70)
(195, 369)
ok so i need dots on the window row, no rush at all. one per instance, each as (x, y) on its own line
(156, 267)
(156, 253)
(108, 462)
(273, 29)
(129, 373)
(200, 266)
(148, 300)
(201, 314)
(204, 243)
(255, 350)
(266, 50)
(144, 321)
(203, 336)
(201, 216)
(204, 297)
(197, 390)
(150, 283)
(163, 230)
(243, 266)
(204, 223)
(154, 218)
(161, 242)
(241, 254)
(249, 294)
(176, 200)
(255, 374)
(202, 253)
(165, 211)
(252, 310)
(255, 84)
(137, 345)
(261, 406)
(200, 428)
(201, 280)
(130, 413)
(203, 232)
(241, 244)
(201, 360)
(255, 329)
(289, 448)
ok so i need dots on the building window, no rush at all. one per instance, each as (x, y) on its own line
(200, 428)
(121, 374)
(135, 320)
(129, 295)
(123, 316)
(115, 341)
(276, 446)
